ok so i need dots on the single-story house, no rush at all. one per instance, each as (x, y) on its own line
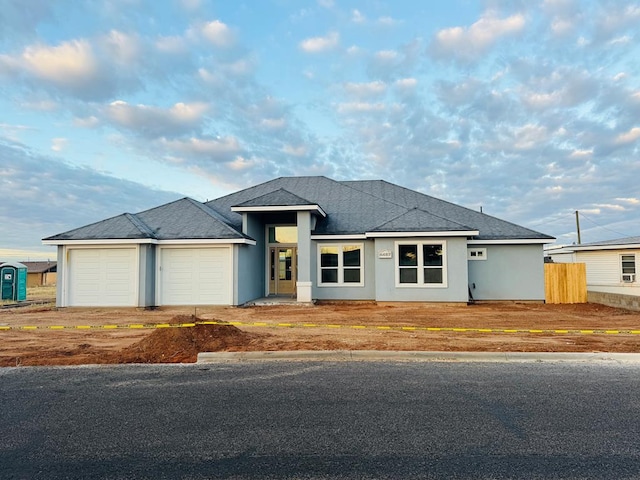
(612, 265)
(40, 274)
(308, 238)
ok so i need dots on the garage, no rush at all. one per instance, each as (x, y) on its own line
(103, 277)
(195, 276)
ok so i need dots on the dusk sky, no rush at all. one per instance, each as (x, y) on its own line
(528, 109)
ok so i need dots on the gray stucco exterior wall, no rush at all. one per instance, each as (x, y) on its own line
(147, 276)
(249, 264)
(61, 276)
(510, 272)
(345, 292)
(456, 266)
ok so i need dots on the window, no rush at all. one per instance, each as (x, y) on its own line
(421, 264)
(628, 265)
(477, 254)
(341, 264)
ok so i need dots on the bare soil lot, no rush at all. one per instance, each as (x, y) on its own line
(72, 347)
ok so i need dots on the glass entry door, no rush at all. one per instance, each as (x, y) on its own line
(283, 270)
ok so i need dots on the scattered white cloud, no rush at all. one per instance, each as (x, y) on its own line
(59, 144)
(468, 44)
(70, 64)
(295, 151)
(357, 16)
(320, 44)
(218, 33)
(155, 121)
(368, 89)
(216, 148)
(628, 137)
(360, 107)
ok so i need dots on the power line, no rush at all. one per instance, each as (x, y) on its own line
(600, 226)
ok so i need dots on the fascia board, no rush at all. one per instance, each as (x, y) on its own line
(629, 246)
(516, 241)
(207, 241)
(282, 208)
(193, 241)
(465, 233)
(339, 237)
(106, 241)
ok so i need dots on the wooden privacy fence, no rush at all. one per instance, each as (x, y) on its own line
(565, 282)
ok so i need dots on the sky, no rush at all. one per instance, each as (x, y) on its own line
(527, 109)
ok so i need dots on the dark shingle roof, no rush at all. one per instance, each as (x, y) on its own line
(180, 220)
(352, 207)
(416, 220)
(490, 228)
(277, 198)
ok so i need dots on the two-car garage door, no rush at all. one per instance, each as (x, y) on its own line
(195, 276)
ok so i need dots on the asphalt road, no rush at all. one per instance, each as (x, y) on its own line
(322, 420)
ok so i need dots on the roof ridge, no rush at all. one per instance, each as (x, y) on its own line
(452, 204)
(140, 225)
(214, 214)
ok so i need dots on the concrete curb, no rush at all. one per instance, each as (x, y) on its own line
(414, 356)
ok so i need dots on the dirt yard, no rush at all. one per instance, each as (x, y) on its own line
(84, 346)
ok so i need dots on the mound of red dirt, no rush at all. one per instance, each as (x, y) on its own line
(180, 344)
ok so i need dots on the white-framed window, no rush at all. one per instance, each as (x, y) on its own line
(628, 267)
(476, 254)
(341, 264)
(421, 264)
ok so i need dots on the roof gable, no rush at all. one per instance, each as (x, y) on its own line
(416, 220)
(490, 228)
(280, 197)
(179, 220)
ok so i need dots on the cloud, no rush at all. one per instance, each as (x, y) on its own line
(216, 149)
(153, 121)
(48, 203)
(69, 65)
(360, 107)
(320, 44)
(628, 137)
(357, 16)
(218, 33)
(59, 144)
(369, 89)
(468, 44)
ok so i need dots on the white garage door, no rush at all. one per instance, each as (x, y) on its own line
(102, 277)
(195, 276)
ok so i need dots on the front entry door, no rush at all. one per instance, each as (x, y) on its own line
(283, 270)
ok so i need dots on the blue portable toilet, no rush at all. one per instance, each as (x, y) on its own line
(13, 281)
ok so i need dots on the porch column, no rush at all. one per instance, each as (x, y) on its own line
(303, 285)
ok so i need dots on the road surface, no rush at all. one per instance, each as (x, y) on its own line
(321, 420)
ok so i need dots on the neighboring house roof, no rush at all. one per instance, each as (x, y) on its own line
(616, 244)
(40, 267)
(345, 208)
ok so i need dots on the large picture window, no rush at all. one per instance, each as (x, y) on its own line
(340, 264)
(421, 264)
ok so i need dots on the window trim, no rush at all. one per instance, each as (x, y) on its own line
(482, 256)
(340, 267)
(420, 244)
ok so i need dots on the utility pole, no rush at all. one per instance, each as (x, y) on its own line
(578, 227)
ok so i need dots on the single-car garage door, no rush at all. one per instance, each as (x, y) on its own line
(102, 277)
(195, 276)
